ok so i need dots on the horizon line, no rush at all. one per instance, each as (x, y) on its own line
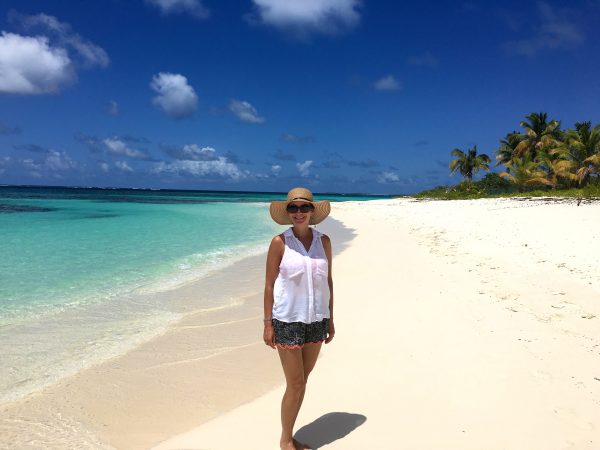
(193, 190)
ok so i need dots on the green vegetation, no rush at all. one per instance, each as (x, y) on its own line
(543, 160)
(469, 163)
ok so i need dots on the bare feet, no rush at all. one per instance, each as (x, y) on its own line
(287, 445)
(300, 446)
(293, 445)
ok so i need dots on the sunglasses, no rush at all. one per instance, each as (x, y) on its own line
(306, 207)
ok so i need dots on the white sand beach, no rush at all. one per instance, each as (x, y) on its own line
(460, 325)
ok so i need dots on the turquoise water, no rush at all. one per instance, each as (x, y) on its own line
(85, 249)
(81, 269)
(61, 246)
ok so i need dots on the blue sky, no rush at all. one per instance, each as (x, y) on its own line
(335, 95)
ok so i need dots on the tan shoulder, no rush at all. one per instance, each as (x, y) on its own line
(278, 241)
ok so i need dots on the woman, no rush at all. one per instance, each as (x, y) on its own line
(298, 298)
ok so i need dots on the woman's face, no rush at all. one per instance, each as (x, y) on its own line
(300, 212)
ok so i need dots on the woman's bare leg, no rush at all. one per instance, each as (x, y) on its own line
(310, 353)
(297, 365)
(293, 368)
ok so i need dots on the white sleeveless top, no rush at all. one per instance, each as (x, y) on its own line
(301, 291)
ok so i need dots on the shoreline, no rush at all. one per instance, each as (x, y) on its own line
(121, 402)
(96, 331)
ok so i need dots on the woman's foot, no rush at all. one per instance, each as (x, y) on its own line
(300, 446)
(287, 445)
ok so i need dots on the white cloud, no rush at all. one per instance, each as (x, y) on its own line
(308, 16)
(123, 166)
(30, 65)
(176, 97)
(59, 161)
(113, 108)
(554, 31)
(219, 167)
(116, 146)
(55, 164)
(199, 162)
(33, 167)
(91, 54)
(387, 83)
(388, 177)
(104, 167)
(45, 63)
(275, 169)
(193, 152)
(193, 7)
(304, 168)
(245, 111)
(203, 154)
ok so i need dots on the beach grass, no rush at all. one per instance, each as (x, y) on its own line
(494, 186)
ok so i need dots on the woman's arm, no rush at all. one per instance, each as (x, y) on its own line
(274, 256)
(327, 247)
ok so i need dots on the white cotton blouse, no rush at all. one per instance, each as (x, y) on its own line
(301, 291)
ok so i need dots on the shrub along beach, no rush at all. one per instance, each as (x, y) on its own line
(541, 160)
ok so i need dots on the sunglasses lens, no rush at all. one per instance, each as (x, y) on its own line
(307, 207)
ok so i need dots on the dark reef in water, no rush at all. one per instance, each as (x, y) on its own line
(4, 208)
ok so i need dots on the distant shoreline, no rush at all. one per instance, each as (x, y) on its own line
(204, 191)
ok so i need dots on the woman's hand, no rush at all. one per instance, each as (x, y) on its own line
(269, 335)
(330, 332)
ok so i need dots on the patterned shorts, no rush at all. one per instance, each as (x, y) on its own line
(296, 334)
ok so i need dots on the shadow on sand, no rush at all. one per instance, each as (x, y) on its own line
(329, 428)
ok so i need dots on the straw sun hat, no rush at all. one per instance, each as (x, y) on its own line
(280, 215)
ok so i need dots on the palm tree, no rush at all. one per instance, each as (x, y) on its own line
(539, 135)
(555, 163)
(583, 149)
(506, 152)
(594, 167)
(525, 172)
(469, 163)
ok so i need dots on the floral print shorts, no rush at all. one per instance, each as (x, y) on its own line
(296, 334)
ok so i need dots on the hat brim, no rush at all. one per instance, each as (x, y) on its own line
(281, 216)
